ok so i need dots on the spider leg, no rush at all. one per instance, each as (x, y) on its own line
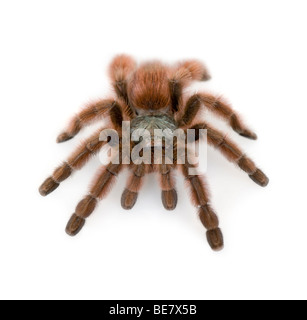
(134, 184)
(218, 107)
(233, 153)
(120, 70)
(102, 185)
(76, 161)
(95, 111)
(200, 199)
(198, 71)
(167, 183)
(181, 76)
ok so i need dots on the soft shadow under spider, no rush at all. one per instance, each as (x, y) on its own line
(151, 96)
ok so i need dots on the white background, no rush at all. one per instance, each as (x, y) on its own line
(53, 59)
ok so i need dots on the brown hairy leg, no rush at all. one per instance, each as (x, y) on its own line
(92, 112)
(134, 185)
(182, 75)
(200, 199)
(101, 186)
(218, 107)
(167, 183)
(197, 70)
(120, 71)
(233, 153)
(75, 162)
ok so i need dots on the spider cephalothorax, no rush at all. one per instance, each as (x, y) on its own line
(150, 97)
(151, 123)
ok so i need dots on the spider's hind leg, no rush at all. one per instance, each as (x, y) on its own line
(120, 71)
(181, 75)
(197, 70)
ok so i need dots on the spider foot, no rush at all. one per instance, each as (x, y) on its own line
(129, 199)
(74, 225)
(169, 199)
(260, 178)
(248, 134)
(205, 76)
(63, 137)
(215, 239)
(48, 186)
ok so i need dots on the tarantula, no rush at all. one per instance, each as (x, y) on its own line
(152, 95)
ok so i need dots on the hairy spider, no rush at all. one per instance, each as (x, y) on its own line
(151, 96)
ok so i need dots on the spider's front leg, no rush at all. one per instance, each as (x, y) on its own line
(167, 183)
(102, 185)
(134, 184)
(200, 198)
(233, 153)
